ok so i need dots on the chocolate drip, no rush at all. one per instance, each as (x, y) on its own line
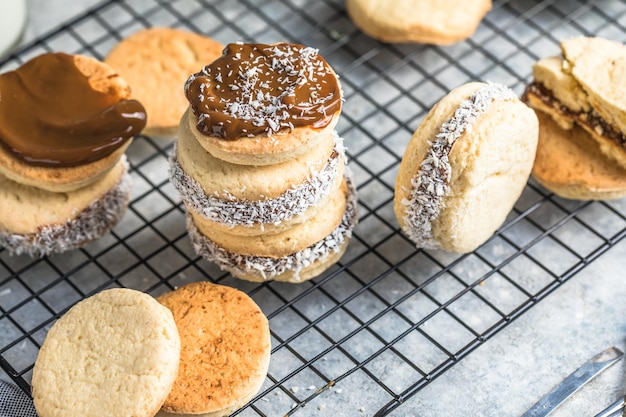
(255, 88)
(50, 115)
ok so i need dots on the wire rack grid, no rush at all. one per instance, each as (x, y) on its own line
(388, 318)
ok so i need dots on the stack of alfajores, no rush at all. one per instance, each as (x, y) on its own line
(260, 167)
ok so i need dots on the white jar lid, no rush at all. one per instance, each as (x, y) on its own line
(12, 22)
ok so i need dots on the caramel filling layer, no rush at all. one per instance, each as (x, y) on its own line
(255, 88)
(50, 114)
(589, 119)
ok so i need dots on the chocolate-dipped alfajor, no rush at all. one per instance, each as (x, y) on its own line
(66, 121)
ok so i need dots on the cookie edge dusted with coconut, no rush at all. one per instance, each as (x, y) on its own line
(295, 268)
(80, 228)
(432, 177)
(268, 215)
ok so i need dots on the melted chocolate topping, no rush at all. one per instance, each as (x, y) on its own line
(51, 116)
(255, 88)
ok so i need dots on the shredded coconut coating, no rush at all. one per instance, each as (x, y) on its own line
(89, 224)
(432, 182)
(267, 268)
(233, 212)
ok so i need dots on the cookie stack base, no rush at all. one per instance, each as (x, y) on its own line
(297, 267)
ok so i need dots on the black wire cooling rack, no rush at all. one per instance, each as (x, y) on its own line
(388, 318)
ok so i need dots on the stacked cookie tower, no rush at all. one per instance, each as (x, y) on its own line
(259, 165)
(65, 122)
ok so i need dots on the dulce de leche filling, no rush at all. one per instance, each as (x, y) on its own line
(255, 88)
(50, 114)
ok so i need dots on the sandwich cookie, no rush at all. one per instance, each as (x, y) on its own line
(225, 350)
(113, 354)
(37, 222)
(585, 87)
(253, 200)
(570, 164)
(295, 255)
(156, 62)
(465, 167)
(66, 121)
(263, 104)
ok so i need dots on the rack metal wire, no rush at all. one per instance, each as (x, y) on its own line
(388, 317)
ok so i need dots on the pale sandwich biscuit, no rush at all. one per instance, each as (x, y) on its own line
(584, 87)
(37, 222)
(252, 200)
(113, 354)
(293, 239)
(156, 62)
(465, 167)
(225, 350)
(295, 267)
(569, 163)
(440, 22)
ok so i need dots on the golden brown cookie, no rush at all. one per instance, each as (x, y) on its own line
(113, 354)
(569, 163)
(252, 200)
(465, 167)
(584, 87)
(263, 104)
(294, 267)
(225, 350)
(435, 22)
(156, 62)
(37, 222)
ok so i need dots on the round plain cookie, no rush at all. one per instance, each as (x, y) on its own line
(38, 222)
(570, 164)
(113, 354)
(156, 63)
(225, 350)
(295, 267)
(465, 167)
(440, 22)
